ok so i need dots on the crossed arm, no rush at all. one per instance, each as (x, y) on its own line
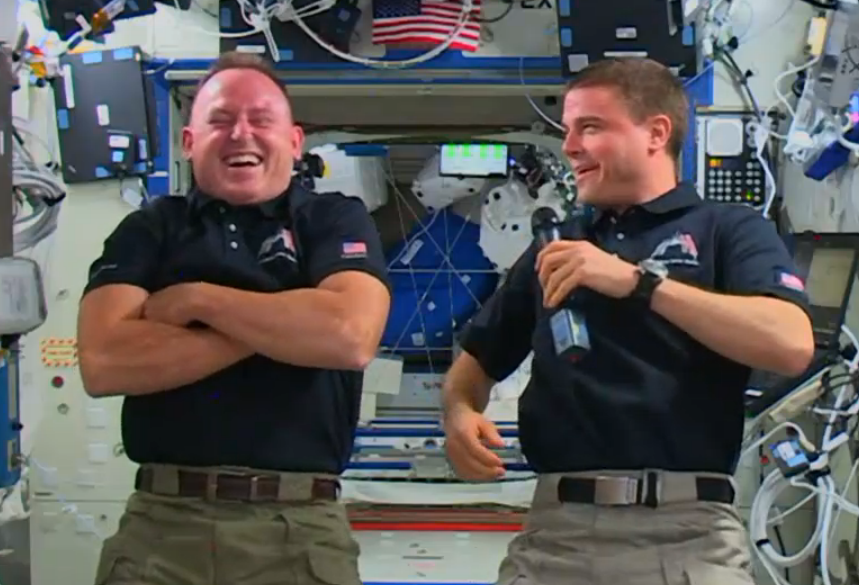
(124, 352)
(132, 342)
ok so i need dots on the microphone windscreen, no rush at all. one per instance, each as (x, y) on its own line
(542, 218)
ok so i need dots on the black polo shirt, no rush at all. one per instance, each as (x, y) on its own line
(647, 395)
(258, 413)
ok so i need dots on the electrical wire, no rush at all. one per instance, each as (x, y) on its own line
(498, 18)
(36, 187)
(791, 70)
(259, 16)
(759, 127)
(831, 501)
(537, 109)
(740, 78)
(464, 17)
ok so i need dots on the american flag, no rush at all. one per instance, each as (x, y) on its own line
(424, 21)
(792, 281)
(354, 249)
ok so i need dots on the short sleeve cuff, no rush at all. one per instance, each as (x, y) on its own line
(367, 268)
(482, 347)
(117, 277)
(785, 294)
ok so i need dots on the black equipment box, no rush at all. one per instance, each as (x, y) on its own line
(592, 31)
(105, 115)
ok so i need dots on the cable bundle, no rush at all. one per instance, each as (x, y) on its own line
(804, 466)
(37, 193)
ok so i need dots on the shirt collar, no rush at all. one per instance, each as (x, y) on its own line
(199, 200)
(683, 196)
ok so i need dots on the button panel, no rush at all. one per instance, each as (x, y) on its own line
(735, 181)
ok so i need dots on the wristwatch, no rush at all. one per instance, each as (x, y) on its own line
(651, 274)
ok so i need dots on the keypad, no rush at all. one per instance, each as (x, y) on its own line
(744, 184)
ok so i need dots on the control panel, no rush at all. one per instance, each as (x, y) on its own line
(729, 170)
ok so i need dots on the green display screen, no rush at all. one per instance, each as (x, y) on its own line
(474, 160)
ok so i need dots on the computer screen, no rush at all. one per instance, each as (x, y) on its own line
(474, 160)
(827, 266)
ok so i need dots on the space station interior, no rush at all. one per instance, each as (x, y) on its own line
(452, 139)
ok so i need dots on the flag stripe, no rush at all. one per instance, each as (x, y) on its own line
(425, 21)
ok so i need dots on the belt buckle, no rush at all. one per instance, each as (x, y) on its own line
(615, 491)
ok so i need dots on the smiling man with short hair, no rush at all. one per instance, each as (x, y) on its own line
(635, 441)
(236, 322)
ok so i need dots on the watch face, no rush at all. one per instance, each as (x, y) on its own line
(655, 267)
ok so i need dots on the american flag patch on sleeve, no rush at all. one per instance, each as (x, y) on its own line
(788, 280)
(354, 250)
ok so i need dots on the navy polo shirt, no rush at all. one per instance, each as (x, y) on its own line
(647, 395)
(259, 412)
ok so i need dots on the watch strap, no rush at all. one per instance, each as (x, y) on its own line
(646, 285)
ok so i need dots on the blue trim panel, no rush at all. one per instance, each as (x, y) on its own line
(406, 465)
(160, 184)
(449, 60)
(700, 92)
(427, 433)
(10, 437)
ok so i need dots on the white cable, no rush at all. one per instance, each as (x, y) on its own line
(308, 10)
(40, 189)
(830, 501)
(296, 17)
(791, 70)
(760, 135)
(178, 23)
(782, 99)
(23, 126)
(546, 118)
(259, 19)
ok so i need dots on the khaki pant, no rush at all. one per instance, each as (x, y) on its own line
(690, 543)
(167, 540)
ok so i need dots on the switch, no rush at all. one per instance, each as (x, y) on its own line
(84, 524)
(86, 478)
(98, 452)
(96, 417)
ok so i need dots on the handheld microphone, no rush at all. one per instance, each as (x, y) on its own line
(545, 225)
(569, 330)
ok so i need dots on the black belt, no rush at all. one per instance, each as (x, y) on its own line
(234, 487)
(646, 490)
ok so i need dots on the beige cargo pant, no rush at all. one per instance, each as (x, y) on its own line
(690, 543)
(167, 540)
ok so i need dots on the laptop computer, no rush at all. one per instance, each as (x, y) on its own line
(827, 264)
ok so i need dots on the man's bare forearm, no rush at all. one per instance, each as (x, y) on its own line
(760, 332)
(466, 385)
(144, 357)
(305, 327)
